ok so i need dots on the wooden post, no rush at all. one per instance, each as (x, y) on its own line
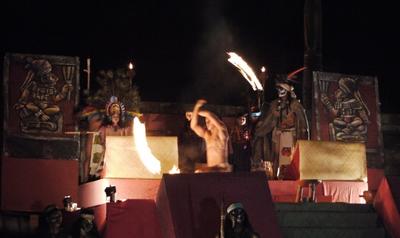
(313, 48)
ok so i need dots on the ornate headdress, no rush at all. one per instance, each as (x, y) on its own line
(286, 83)
(114, 106)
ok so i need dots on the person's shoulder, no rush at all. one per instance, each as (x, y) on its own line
(296, 104)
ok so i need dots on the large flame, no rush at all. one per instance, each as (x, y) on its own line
(245, 70)
(145, 154)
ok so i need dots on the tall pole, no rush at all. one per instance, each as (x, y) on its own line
(263, 77)
(312, 48)
(87, 71)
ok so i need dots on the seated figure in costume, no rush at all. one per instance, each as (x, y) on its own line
(236, 223)
(350, 113)
(216, 137)
(284, 122)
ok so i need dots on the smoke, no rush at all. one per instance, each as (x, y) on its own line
(213, 77)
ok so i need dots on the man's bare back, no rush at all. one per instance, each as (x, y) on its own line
(215, 135)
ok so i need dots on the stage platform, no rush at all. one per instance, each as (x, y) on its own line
(92, 194)
(137, 205)
(30, 185)
(185, 205)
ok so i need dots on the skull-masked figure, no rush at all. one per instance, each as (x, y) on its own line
(283, 123)
(237, 224)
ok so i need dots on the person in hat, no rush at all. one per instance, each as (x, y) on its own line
(283, 123)
(237, 224)
(349, 111)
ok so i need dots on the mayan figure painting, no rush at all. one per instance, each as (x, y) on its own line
(346, 109)
(41, 94)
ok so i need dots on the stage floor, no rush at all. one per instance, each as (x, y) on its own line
(92, 194)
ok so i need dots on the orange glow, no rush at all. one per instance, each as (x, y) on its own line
(245, 70)
(151, 163)
(174, 170)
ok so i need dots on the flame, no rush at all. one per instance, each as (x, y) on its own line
(146, 156)
(174, 170)
(263, 69)
(245, 70)
(130, 66)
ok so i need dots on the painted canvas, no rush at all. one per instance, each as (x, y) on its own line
(346, 109)
(40, 95)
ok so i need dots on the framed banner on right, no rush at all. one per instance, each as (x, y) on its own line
(346, 109)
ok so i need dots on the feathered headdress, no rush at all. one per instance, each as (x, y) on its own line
(286, 82)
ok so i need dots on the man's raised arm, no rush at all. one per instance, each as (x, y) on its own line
(213, 119)
(194, 123)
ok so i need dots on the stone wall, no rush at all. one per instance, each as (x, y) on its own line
(177, 108)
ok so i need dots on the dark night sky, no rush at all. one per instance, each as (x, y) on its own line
(181, 45)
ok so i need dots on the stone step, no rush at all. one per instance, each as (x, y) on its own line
(327, 219)
(333, 233)
(323, 207)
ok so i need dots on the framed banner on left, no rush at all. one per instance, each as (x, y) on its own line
(40, 95)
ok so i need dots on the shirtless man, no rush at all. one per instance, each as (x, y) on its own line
(216, 136)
